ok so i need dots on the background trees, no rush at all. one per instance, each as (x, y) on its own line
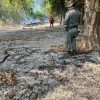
(39, 15)
(56, 8)
(15, 10)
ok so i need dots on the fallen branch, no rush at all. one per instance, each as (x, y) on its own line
(5, 58)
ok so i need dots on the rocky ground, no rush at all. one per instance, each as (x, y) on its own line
(34, 65)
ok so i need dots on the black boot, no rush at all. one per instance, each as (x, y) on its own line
(73, 52)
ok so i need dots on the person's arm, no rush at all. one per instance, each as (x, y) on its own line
(65, 21)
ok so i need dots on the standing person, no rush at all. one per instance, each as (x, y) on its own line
(71, 22)
(51, 20)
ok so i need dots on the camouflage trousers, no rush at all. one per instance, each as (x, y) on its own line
(71, 42)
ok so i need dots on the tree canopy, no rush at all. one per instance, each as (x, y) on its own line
(56, 7)
(39, 15)
(15, 10)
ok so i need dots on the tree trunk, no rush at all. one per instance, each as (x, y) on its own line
(91, 26)
(60, 19)
(62, 10)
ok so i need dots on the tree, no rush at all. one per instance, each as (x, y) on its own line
(15, 10)
(39, 15)
(91, 39)
(58, 7)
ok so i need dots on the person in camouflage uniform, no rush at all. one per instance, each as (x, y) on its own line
(71, 22)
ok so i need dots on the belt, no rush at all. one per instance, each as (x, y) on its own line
(74, 26)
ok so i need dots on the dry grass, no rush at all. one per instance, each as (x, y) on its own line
(7, 77)
(57, 48)
(13, 38)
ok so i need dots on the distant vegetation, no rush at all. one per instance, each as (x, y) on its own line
(39, 15)
(13, 11)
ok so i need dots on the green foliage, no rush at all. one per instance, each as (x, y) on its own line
(77, 2)
(39, 15)
(97, 9)
(54, 7)
(15, 10)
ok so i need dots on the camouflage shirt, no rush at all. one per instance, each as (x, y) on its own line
(72, 18)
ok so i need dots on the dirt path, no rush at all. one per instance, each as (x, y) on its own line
(35, 66)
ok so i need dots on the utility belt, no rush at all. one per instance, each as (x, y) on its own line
(73, 26)
(70, 27)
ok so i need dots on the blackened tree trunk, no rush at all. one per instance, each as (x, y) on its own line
(91, 26)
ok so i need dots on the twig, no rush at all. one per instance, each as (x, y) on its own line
(5, 58)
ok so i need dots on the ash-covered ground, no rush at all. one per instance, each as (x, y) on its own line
(34, 65)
